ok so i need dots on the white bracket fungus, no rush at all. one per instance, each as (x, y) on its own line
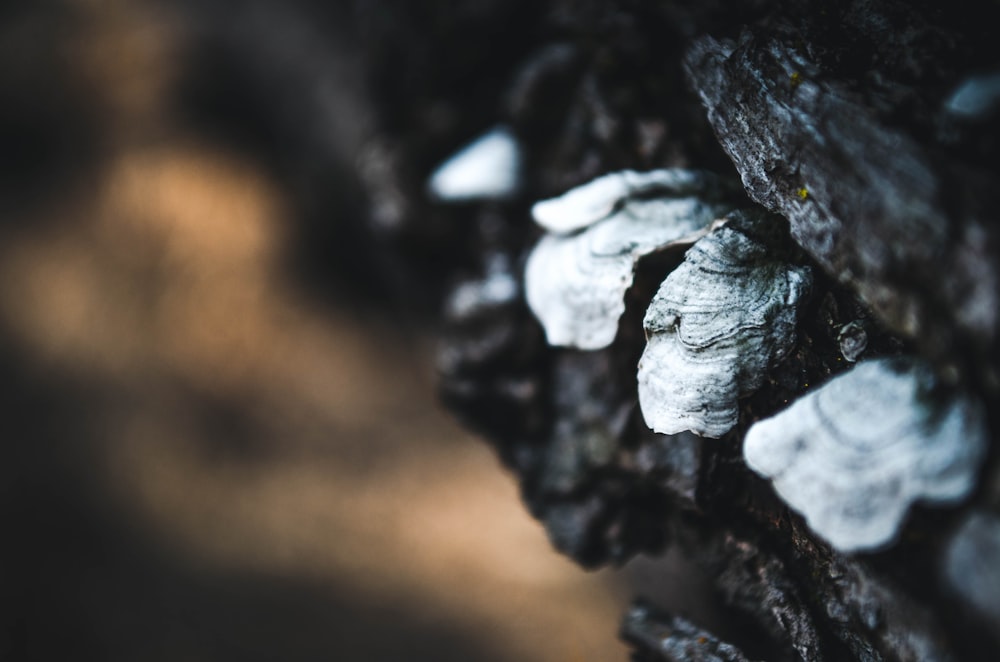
(576, 284)
(975, 97)
(589, 203)
(853, 455)
(718, 323)
(488, 168)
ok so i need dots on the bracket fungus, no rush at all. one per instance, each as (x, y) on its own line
(718, 323)
(975, 97)
(853, 455)
(576, 283)
(488, 168)
(597, 199)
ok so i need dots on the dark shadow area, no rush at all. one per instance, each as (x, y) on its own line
(85, 580)
(50, 127)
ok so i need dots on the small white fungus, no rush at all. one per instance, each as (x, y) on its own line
(975, 97)
(488, 168)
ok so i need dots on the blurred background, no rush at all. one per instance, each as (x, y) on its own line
(220, 434)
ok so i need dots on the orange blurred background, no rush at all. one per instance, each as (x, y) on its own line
(203, 459)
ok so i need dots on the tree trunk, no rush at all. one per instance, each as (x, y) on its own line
(847, 120)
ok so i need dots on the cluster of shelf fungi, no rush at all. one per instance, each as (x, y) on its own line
(780, 362)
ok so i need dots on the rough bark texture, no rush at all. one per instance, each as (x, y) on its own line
(674, 638)
(836, 118)
(906, 225)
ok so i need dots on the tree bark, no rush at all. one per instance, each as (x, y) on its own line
(843, 120)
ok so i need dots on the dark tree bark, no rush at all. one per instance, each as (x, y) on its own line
(843, 120)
